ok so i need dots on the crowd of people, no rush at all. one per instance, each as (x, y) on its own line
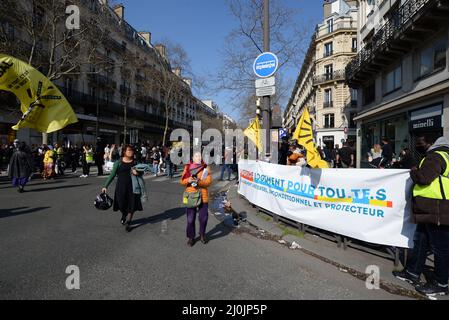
(52, 160)
(381, 156)
(293, 154)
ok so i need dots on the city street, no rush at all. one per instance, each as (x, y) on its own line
(54, 225)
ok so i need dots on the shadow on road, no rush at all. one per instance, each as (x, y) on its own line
(7, 213)
(219, 231)
(171, 214)
(57, 188)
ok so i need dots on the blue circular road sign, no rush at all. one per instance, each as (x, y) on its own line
(265, 65)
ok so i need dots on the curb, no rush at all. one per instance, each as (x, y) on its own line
(272, 231)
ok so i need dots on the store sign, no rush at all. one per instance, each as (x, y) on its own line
(425, 119)
(328, 138)
(426, 123)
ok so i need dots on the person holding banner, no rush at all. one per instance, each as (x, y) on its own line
(431, 214)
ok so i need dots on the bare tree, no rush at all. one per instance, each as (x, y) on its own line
(167, 78)
(50, 46)
(245, 42)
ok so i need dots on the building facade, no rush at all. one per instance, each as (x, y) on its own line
(321, 85)
(114, 101)
(400, 72)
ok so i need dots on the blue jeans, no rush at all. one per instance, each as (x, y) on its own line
(169, 168)
(155, 168)
(226, 167)
(435, 238)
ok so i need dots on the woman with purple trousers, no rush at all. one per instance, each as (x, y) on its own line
(197, 177)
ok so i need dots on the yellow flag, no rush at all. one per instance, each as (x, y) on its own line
(44, 107)
(304, 135)
(253, 133)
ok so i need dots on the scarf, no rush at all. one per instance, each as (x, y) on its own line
(192, 168)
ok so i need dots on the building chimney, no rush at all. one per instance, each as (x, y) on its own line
(188, 81)
(147, 36)
(327, 8)
(177, 71)
(120, 11)
(162, 50)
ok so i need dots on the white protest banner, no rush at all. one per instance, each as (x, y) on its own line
(365, 204)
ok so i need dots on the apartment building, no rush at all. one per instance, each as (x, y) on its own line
(321, 85)
(109, 101)
(400, 72)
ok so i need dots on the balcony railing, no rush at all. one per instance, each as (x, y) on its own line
(115, 45)
(390, 30)
(328, 53)
(124, 90)
(338, 25)
(89, 102)
(336, 75)
(328, 104)
(99, 80)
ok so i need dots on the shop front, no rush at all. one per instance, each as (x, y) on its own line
(401, 129)
(331, 138)
(425, 120)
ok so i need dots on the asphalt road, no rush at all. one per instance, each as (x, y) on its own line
(55, 225)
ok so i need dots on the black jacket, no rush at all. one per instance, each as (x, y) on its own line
(21, 165)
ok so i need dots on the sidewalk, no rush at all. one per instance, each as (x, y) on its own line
(350, 260)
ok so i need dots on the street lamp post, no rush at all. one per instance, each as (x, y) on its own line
(266, 99)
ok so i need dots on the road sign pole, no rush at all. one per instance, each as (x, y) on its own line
(266, 99)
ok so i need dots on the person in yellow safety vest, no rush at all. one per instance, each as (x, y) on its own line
(430, 211)
(59, 158)
(87, 159)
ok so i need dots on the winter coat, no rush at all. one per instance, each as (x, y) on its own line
(21, 165)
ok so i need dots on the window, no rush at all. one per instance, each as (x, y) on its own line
(328, 48)
(369, 94)
(352, 123)
(327, 98)
(7, 30)
(38, 15)
(432, 58)
(353, 97)
(392, 80)
(68, 83)
(330, 25)
(329, 120)
(328, 71)
(354, 44)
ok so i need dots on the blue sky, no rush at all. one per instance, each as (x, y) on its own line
(201, 26)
